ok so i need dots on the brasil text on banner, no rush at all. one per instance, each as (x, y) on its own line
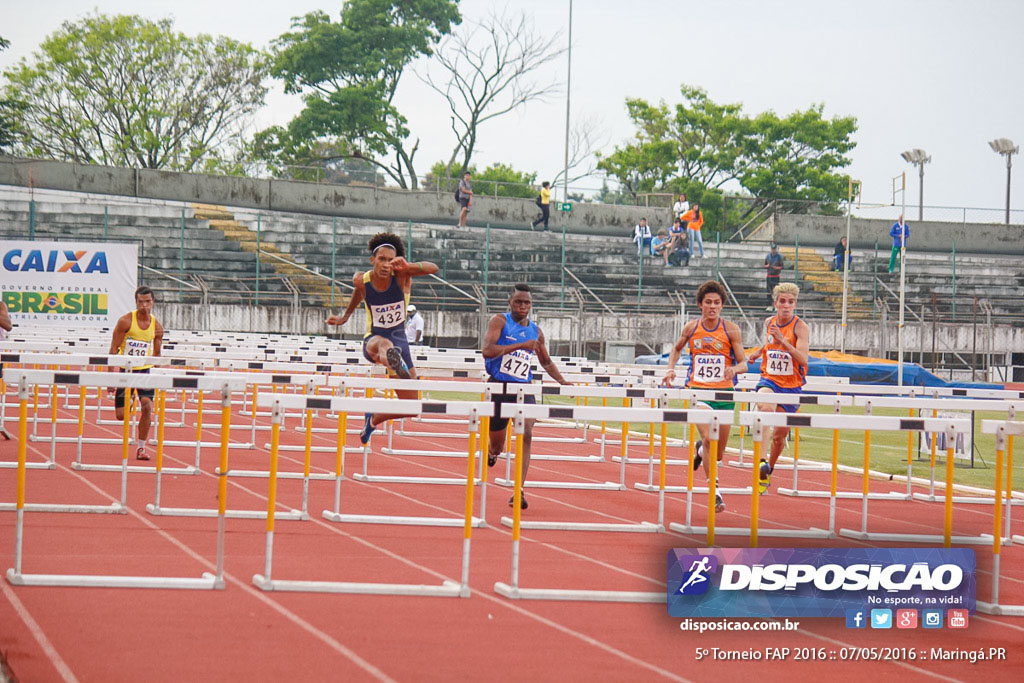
(82, 284)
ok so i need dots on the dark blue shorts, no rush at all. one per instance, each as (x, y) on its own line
(396, 337)
(788, 407)
(498, 424)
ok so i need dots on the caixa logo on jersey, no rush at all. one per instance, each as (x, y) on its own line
(816, 582)
(54, 261)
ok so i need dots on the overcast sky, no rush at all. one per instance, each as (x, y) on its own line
(945, 76)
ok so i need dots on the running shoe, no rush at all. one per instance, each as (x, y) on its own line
(368, 428)
(719, 503)
(522, 501)
(766, 477)
(395, 362)
(141, 454)
(697, 459)
(492, 459)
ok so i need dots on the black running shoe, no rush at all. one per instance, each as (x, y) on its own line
(492, 459)
(766, 477)
(697, 459)
(522, 501)
(395, 362)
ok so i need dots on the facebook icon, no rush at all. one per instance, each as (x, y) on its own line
(855, 618)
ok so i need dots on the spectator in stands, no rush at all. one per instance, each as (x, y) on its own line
(414, 326)
(680, 252)
(680, 207)
(773, 264)
(899, 232)
(660, 244)
(841, 251)
(641, 236)
(694, 221)
(676, 233)
(544, 204)
(464, 195)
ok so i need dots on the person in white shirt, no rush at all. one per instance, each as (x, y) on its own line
(642, 236)
(414, 326)
(681, 207)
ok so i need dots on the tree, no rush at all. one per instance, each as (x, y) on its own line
(6, 112)
(488, 67)
(699, 146)
(497, 180)
(126, 91)
(348, 73)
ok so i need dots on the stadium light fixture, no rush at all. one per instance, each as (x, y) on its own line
(1007, 149)
(919, 158)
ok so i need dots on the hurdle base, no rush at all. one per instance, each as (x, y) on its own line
(983, 539)
(812, 532)
(634, 527)
(448, 589)
(932, 498)
(745, 491)
(232, 514)
(999, 610)
(396, 479)
(892, 495)
(280, 475)
(516, 593)
(332, 516)
(583, 485)
(144, 469)
(113, 508)
(424, 454)
(30, 465)
(207, 582)
(648, 461)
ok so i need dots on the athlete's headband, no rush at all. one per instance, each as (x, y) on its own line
(385, 244)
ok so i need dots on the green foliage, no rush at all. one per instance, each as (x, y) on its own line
(500, 180)
(699, 145)
(348, 72)
(126, 91)
(7, 113)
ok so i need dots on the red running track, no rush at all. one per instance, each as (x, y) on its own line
(242, 633)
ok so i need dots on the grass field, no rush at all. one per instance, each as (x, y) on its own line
(888, 449)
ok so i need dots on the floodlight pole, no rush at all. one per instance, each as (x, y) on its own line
(846, 261)
(568, 90)
(1009, 164)
(903, 281)
(920, 191)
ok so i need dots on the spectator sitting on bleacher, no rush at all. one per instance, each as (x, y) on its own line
(676, 233)
(837, 256)
(680, 252)
(659, 245)
(641, 236)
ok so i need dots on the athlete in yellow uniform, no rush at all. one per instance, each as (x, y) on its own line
(716, 357)
(783, 366)
(138, 333)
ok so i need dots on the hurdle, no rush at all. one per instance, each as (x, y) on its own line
(1004, 431)
(16, 577)
(512, 589)
(448, 588)
(951, 427)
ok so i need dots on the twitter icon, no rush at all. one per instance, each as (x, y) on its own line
(881, 618)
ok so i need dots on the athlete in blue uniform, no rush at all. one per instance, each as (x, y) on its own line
(385, 292)
(511, 341)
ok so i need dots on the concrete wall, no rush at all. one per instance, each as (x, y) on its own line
(316, 198)
(825, 231)
(463, 329)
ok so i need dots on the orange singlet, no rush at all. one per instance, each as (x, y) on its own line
(778, 364)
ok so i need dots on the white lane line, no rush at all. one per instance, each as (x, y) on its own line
(37, 632)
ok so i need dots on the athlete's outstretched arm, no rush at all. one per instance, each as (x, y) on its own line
(545, 360)
(677, 351)
(416, 269)
(124, 323)
(356, 299)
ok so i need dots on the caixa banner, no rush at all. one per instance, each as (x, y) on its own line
(816, 582)
(68, 283)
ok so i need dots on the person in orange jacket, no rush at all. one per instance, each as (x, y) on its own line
(694, 220)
